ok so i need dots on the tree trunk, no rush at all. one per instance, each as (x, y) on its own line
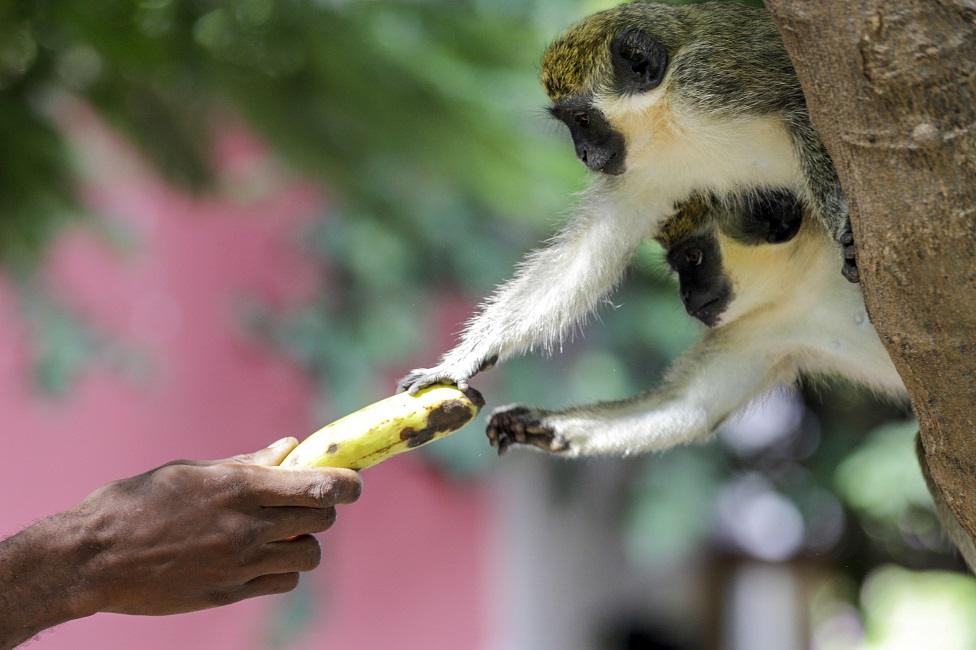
(891, 89)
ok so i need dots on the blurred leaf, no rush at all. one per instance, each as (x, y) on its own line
(906, 610)
(672, 510)
(882, 477)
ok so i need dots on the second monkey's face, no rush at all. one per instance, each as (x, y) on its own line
(705, 290)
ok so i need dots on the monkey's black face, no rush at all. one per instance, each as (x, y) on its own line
(705, 291)
(598, 145)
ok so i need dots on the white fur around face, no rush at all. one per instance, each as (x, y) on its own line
(671, 153)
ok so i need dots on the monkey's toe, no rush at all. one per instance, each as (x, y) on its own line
(850, 270)
(846, 241)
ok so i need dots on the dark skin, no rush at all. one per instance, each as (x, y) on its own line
(187, 536)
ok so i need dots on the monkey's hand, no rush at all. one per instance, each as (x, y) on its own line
(522, 425)
(444, 373)
(846, 240)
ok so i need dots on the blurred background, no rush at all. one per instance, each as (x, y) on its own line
(224, 222)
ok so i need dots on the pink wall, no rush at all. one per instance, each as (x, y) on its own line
(403, 568)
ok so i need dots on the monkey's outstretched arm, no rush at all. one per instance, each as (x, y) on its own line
(706, 385)
(553, 289)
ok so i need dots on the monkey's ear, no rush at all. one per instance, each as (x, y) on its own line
(639, 61)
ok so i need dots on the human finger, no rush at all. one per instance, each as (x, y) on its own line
(273, 454)
(309, 488)
(287, 522)
(300, 554)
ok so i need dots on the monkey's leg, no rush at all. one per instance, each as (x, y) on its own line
(707, 384)
(825, 191)
(553, 289)
(846, 241)
(959, 535)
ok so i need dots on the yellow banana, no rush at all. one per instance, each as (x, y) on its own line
(387, 428)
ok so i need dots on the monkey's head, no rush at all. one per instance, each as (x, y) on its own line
(731, 259)
(635, 73)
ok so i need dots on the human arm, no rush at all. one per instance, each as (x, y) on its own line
(186, 536)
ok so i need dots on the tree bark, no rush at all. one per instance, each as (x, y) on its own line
(891, 87)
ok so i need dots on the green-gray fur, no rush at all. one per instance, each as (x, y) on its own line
(726, 60)
(690, 218)
(744, 218)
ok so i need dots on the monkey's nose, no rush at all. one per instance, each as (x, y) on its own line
(582, 154)
(706, 306)
(699, 303)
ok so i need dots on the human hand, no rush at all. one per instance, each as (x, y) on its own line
(192, 535)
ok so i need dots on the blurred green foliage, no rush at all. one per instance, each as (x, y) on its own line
(423, 120)
(391, 103)
(63, 345)
(882, 482)
(906, 610)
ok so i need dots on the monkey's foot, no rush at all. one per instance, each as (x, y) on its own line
(846, 241)
(525, 426)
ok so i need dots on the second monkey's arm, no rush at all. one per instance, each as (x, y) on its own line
(711, 381)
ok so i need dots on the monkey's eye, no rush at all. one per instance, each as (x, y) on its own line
(581, 118)
(694, 256)
(640, 61)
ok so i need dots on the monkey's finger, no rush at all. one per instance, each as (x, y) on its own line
(489, 363)
(406, 383)
(558, 443)
(518, 432)
(421, 382)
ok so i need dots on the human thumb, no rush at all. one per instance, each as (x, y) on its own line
(273, 454)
